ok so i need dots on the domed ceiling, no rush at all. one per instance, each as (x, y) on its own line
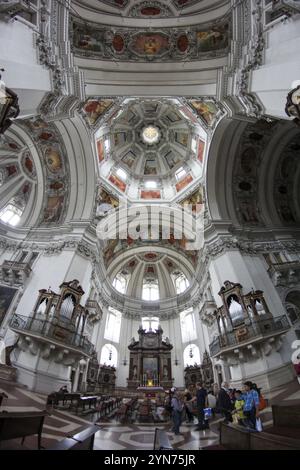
(150, 266)
(151, 149)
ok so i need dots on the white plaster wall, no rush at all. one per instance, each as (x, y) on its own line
(22, 73)
(272, 81)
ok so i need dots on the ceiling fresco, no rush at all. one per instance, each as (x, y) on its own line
(133, 44)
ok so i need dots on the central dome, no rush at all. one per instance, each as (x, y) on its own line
(151, 135)
(151, 149)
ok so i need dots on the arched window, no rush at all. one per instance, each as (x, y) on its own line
(109, 355)
(150, 323)
(191, 355)
(120, 283)
(150, 290)
(180, 282)
(113, 325)
(11, 215)
(188, 325)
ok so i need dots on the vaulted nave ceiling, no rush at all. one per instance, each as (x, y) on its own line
(177, 55)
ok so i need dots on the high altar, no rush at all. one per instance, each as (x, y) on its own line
(150, 361)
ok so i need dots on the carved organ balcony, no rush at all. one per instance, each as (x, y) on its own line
(244, 324)
(57, 324)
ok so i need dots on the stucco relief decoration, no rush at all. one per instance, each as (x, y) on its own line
(180, 4)
(150, 9)
(191, 43)
(55, 167)
(121, 4)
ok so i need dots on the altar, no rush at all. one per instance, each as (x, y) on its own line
(150, 362)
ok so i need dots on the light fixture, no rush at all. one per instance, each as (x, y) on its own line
(151, 135)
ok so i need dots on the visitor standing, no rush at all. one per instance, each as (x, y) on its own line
(201, 399)
(251, 406)
(224, 403)
(177, 407)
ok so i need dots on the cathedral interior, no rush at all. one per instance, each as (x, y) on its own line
(149, 218)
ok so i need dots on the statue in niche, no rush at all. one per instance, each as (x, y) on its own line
(134, 373)
(165, 372)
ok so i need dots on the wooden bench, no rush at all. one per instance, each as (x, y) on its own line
(82, 401)
(56, 397)
(2, 395)
(234, 437)
(161, 440)
(22, 424)
(83, 440)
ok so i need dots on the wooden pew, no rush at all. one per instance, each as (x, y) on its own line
(22, 424)
(56, 397)
(82, 401)
(2, 395)
(83, 440)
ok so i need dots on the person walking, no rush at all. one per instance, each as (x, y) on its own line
(201, 399)
(251, 406)
(177, 407)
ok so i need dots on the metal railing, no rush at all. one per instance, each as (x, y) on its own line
(54, 329)
(245, 333)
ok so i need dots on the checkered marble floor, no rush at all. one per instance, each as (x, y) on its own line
(141, 437)
(116, 436)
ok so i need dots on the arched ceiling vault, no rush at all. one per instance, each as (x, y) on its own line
(255, 167)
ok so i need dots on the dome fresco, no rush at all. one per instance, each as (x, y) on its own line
(151, 150)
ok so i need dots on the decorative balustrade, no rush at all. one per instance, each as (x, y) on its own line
(56, 329)
(252, 332)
